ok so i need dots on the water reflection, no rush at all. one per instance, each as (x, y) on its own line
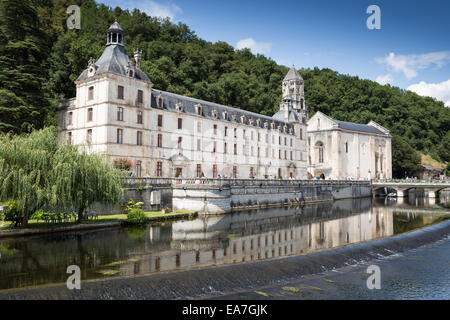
(208, 241)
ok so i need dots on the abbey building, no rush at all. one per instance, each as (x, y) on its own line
(117, 112)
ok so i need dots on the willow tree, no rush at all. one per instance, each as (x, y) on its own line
(39, 172)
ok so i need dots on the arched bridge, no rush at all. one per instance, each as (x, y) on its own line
(430, 187)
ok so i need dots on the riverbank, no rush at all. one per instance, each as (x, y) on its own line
(103, 221)
(218, 281)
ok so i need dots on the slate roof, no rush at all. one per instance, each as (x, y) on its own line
(292, 75)
(115, 60)
(170, 100)
(358, 127)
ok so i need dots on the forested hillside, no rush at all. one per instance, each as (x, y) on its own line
(40, 58)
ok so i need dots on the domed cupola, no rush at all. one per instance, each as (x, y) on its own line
(115, 35)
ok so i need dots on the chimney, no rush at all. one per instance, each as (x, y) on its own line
(138, 58)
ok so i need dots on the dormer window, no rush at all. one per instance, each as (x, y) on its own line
(243, 119)
(266, 124)
(179, 107)
(251, 121)
(160, 100)
(258, 122)
(214, 113)
(198, 109)
(131, 73)
(225, 115)
(272, 125)
(234, 117)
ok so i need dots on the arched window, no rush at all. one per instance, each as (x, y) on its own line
(319, 152)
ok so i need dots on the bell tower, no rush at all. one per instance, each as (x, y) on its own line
(294, 95)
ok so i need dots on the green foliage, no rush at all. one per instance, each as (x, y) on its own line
(136, 216)
(14, 210)
(133, 205)
(447, 170)
(39, 172)
(405, 159)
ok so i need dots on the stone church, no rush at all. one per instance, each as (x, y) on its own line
(117, 112)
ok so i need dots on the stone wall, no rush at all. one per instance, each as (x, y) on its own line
(212, 199)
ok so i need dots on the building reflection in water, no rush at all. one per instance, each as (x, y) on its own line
(265, 234)
(208, 240)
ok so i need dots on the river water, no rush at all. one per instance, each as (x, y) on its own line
(210, 241)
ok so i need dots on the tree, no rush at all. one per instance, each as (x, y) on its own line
(24, 50)
(39, 172)
(404, 157)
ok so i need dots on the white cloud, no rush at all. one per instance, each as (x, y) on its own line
(255, 47)
(150, 7)
(155, 9)
(387, 78)
(440, 91)
(410, 64)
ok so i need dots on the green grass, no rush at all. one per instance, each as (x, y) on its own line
(152, 215)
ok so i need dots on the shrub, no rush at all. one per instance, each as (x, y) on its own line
(136, 216)
(133, 205)
(14, 210)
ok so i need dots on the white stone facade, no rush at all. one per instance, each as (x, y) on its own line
(341, 150)
(117, 112)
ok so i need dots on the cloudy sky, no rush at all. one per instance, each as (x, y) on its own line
(411, 50)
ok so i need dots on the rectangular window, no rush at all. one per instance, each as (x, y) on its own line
(301, 133)
(139, 168)
(89, 136)
(346, 147)
(199, 127)
(70, 118)
(279, 140)
(234, 172)
(285, 141)
(235, 149)
(225, 148)
(119, 114)
(279, 154)
(119, 92)
(90, 115)
(291, 155)
(139, 138)
(215, 129)
(69, 137)
(214, 171)
(159, 169)
(252, 174)
(160, 120)
(199, 170)
(139, 117)
(160, 140)
(199, 145)
(267, 152)
(214, 147)
(91, 93)
(291, 142)
(226, 131)
(180, 123)
(258, 153)
(285, 155)
(235, 132)
(259, 136)
(119, 136)
(251, 135)
(180, 141)
(140, 96)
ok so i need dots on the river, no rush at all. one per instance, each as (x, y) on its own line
(209, 242)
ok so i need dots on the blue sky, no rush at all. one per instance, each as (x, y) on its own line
(411, 50)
